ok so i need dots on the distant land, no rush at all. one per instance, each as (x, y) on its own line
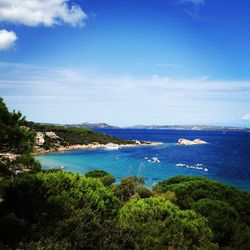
(175, 127)
(191, 127)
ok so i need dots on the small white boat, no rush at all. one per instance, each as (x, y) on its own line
(199, 168)
(111, 146)
(205, 170)
(198, 165)
(180, 165)
(155, 160)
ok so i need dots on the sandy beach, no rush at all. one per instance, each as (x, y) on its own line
(93, 146)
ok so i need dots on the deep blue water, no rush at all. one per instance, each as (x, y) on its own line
(226, 156)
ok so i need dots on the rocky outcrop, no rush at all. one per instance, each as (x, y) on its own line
(39, 139)
(182, 141)
(52, 135)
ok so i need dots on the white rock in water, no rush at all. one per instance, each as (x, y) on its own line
(198, 141)
(182, 141)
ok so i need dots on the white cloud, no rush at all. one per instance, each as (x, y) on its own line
(77, 82)
(246, 117)
(41, 12)
(195, 2)
(7, 39)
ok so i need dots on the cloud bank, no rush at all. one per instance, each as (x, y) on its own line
(70, 95)
(41, 12)
(7, 39)
(246, 117)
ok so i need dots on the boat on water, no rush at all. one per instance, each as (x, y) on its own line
(111, 146)
(155, 159)
(180, 165)
(198, 165)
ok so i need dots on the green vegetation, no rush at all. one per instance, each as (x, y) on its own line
(226, 208)
(58, 210)
(159, 224)
(16, 143)
(13, 137)
(61, 210)
(106, 178)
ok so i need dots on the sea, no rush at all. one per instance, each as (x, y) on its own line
(225, 158)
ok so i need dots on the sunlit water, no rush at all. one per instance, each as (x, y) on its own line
(226, 156)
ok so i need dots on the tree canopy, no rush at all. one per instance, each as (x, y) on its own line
(13, 137)
(61, 210)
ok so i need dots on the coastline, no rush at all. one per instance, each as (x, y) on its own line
(93, 146)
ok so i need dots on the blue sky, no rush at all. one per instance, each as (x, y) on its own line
(127, 62)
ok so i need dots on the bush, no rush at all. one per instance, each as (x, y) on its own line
(106, 178)
(159, 224)
(226, 208)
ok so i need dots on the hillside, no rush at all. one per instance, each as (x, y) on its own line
(20, 138)
(52, 137)
(93, 125)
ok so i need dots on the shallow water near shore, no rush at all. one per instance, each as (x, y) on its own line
(226, 157)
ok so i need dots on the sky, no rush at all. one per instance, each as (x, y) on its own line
(127, 62)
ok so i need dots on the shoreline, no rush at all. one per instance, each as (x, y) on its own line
(94, 146)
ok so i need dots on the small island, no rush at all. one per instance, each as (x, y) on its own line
(186, 142)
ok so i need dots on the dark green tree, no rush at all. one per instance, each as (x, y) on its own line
(106, 178)
(13, 136)
(159, 224)
(226, 208)
(127, 188)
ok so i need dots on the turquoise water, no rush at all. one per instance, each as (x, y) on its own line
(226, 156)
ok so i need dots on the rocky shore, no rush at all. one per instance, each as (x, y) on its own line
(9, 156)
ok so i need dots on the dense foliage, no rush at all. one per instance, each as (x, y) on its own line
(13, 137)
(106, 178)
(62, 210)
(226, 208)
